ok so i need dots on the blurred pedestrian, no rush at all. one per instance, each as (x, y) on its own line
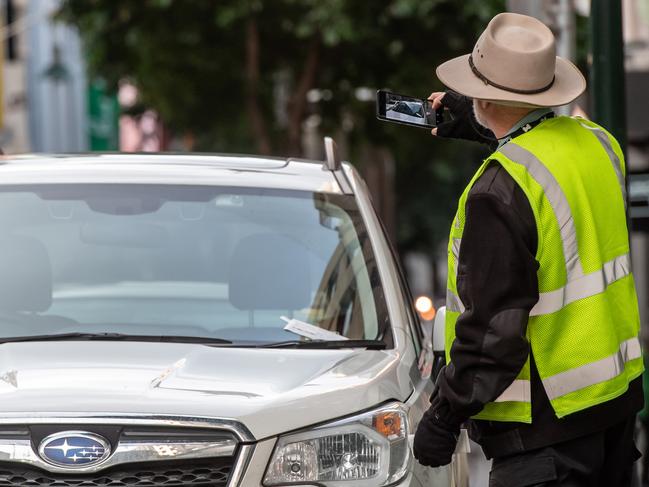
(542, 314)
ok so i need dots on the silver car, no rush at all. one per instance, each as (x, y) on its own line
(195, 320)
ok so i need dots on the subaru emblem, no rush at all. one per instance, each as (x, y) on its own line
(74, 449)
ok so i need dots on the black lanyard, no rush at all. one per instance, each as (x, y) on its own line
(526, 128)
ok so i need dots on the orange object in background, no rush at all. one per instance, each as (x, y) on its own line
(425, 308)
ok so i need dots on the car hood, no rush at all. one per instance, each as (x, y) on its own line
(268, 390)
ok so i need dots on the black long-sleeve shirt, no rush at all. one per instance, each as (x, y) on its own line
(497, 282)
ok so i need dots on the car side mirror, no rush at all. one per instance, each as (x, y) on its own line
(439, 341)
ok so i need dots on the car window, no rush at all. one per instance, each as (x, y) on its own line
(406, 295)
(224, 262)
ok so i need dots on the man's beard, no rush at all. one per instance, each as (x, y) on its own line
(478, 114)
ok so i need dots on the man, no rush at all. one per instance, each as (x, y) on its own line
(543, 357)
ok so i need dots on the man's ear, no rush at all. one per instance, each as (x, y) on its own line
(484, 105)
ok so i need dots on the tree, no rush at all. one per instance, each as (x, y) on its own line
(237, 75)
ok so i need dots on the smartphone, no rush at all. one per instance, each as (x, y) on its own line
(392, 107)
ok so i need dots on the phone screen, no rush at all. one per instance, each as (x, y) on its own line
(405, 109)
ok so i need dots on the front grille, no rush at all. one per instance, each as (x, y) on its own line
(211, 473)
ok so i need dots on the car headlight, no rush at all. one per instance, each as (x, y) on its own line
(370, 449)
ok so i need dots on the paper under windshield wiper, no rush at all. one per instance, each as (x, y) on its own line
(328, 344)
(115, 337)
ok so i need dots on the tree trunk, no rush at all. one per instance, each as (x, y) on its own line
(257, 122)
(297, 104)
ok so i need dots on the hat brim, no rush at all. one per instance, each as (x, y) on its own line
(568, 84)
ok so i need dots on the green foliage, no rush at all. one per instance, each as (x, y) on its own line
(189, 59)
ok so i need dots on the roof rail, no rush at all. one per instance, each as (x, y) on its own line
(332, 157)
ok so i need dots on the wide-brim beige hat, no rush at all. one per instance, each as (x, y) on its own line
(514, 61)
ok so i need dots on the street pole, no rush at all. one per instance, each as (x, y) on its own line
(607, 69)
(566, 39)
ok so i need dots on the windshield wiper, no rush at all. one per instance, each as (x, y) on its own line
(80, 336)
(115, 337)
(328, 344)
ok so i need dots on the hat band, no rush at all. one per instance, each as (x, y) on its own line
(487, 81)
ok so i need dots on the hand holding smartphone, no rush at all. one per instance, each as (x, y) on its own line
(408, 110)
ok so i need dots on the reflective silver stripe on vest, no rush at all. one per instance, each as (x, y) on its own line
(615, 160)
(455, 248)
(453, 302)
(575, 379)
(583, 287)
(602, 370)
(519, 391)
(558, 201)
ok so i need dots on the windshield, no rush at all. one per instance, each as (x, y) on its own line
(222, 262)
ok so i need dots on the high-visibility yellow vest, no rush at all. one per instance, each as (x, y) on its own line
(583, 331)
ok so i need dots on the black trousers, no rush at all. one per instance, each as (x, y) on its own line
(603, 459)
